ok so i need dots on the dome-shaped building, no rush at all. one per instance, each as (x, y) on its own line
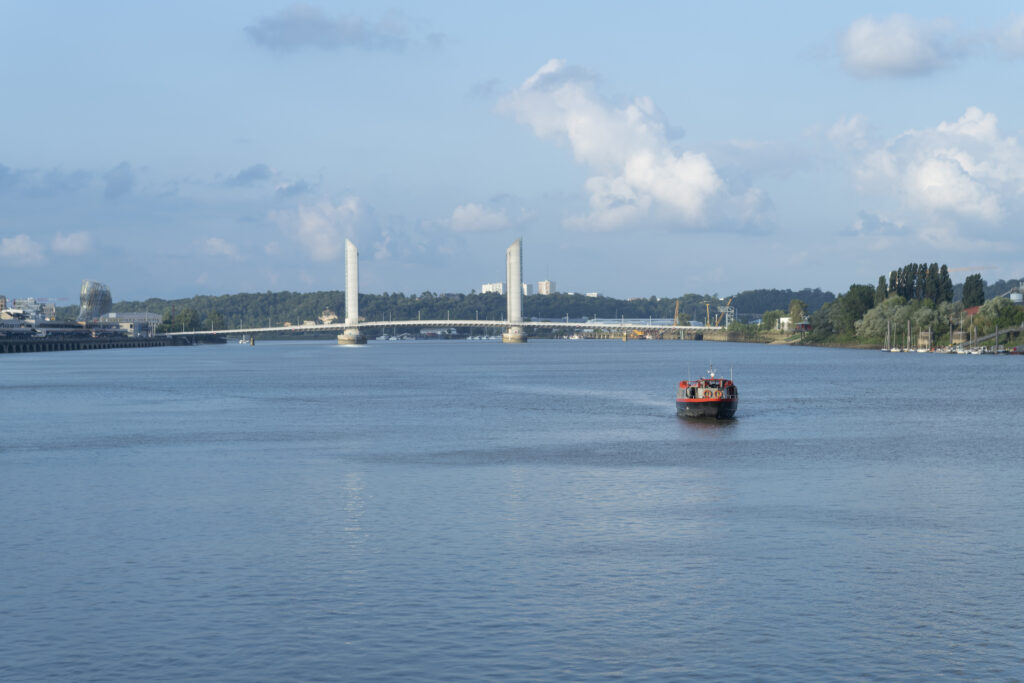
(96, 300)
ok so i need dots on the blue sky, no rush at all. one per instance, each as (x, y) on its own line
(171, 149)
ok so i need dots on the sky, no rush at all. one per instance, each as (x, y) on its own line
(659, 148)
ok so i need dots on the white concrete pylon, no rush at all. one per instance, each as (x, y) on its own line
(351, 335)
(514, 292)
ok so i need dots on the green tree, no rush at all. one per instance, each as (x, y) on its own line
(999, 312)
(797, 311)
(770, 320)
(851, 307)
(974, 291)
(880, 290)
(945, 284)
(931, 283)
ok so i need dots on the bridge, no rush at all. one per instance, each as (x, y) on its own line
(998, 333)
(351, 331)
(436, 324)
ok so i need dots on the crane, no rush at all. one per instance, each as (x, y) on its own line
(723, 310)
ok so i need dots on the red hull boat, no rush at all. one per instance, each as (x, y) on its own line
(709, 397)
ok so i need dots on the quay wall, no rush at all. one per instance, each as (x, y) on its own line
(56, 344)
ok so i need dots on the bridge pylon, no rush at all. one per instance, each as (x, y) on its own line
(514, 293)
(351, 335)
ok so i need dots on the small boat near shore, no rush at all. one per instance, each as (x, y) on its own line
(707, 397)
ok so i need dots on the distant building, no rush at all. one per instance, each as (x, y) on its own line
(786, 324)
(95, 299)
(328, 316)
(496, 287)
(33, 309)
(136, 324)
(527, 290)
(593, 295)
(546, 287)
(3, 302)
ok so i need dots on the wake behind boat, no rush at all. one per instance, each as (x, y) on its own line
(710, 397)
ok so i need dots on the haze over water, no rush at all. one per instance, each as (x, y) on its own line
(471, 510)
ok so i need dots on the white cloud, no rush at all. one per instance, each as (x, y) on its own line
(849, 132)
(323, 227)
(74, 243)
(21, 250)
(897, 46)
(959, 173)
(474, 217)
(637, 172)
(216, 246)
(1011, 40)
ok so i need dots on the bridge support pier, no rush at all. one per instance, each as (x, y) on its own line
(351, 336)
(514, 335)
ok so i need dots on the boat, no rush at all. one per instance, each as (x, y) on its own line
(710, 397)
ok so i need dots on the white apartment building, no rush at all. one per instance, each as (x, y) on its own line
(496, 287)
(546, 287)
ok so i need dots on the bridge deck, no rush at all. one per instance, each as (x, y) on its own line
(339, 327)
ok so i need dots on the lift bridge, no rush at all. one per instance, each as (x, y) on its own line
(352, 330)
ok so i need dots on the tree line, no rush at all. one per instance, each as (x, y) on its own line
(917, 281)
(268, 309)
(920, 294)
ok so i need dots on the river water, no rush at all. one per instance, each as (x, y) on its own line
(476, 511)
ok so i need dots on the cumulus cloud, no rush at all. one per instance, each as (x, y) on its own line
(74, 243)
(637, 172)
(21, 250)
(959, 173)
(301, 26)
(216, 246)
(898, 46)
(119, 180)
(256, 173)
(474, 217)
(321, 228)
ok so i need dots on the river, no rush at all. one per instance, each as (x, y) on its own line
(464, 510)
